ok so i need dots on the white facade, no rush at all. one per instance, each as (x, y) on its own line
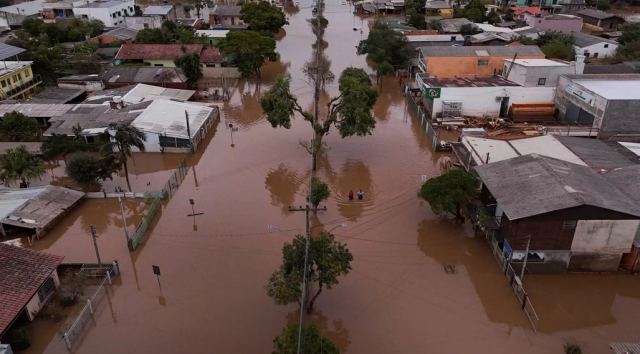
(537, 72)
(111, 13)
(598, 50)
(604, 236)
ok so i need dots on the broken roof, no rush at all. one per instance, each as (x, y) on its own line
(501, 51)
(22, 273)
(533, 184)
(166, 117)
(133, 51)
(40, 209)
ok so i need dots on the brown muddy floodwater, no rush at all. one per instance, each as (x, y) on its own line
(397, 298)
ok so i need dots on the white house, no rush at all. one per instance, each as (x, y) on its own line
(592, 46)
(13, 15)
(540, 72)
(111, 13)
(165, 124)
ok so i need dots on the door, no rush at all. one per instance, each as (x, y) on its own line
(572, 113)
(504, 107)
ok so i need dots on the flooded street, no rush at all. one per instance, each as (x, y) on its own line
(397, 299)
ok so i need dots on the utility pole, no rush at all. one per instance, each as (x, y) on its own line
(124, 220)
(95, 244)
(526, 257)
(186, 117)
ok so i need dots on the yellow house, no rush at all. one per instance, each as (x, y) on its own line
(438, 8)
(16, 79)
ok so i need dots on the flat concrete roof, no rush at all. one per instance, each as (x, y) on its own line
(613, 89)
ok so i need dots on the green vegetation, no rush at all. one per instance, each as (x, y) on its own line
(262, 17)
(553, 44)
(74, 30)
(572, 348)
(20, 165)
(314, 342)
(474, 11)
(629, 48)
(123, 138)
(415, 13)
(15, 126)
(88, 170)
(190, 65)
(61, 145)
(349, 112)
(449, 192)
(319, 191)
(169, 32)
(328, 260)
(248, 50)
(387, 48)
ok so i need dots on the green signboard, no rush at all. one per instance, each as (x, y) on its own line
(432, 92)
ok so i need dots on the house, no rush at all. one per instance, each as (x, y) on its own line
(557, 22)
(87, 83)
(593, 47)
(116, 36)
(58, 95)
(12, 16)
(110, 12)
(570, 217)
(604, 20)
(120, 76)
(17, 79)
(172, 126)
(33, 211)
(430, 40)
(438, 8)
(478, 96)
(539, 72)
(226, 17)
(57, 10)
(608, 103)
(28, 280)
(213, 36)
(453, 25)
(142, 22)
(165, 12)
(163, 55)
(520, 12)
(450, 62)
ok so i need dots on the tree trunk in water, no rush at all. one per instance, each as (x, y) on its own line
(126, 174)
(317, 145)
(313, 299)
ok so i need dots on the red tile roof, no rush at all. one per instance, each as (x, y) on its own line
(528, 9)
(22, 273)
(156, 51)
(211, 55)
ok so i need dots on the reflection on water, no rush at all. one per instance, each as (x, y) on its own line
(283, 185)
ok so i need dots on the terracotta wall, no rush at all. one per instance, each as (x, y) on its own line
(467, 66)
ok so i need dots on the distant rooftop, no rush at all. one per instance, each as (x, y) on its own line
(157, 10)
(168, 118)
(484, 51)
(144, 92)
(8, 51)
(483, 81)
(7, 67)
(56, 95)
(122, 33)
(100, 4)
(27, 8)
(143, 74)
(537, 62)
(212, 33)
(156, 51)
(437, 4)
(622, 88)
(584, 40)
(601, 15)
(227, 10)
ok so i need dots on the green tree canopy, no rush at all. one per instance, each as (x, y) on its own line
(384, 45)
(248, 50)
(474, 11)
(20, 165)
(88, 170)
(190, 65)
(169, 32)
(629, 48)
(319, 191)
(123, 138)
(328, 260)
(15, 126)
(312, 341)
(558, 49)
(449, 192)
(262, 17)
(61, 145)
(349, 112)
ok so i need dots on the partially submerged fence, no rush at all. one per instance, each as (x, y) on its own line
(74, 331)
(432, 134)
(514, 281)
(175, 179)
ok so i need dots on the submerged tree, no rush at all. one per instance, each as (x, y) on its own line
(319, 68)
(349, 112)
(328, 259)
(313, 341)
(449, 192)
(319, 192)
(123, 138)
(89, 170)
(190, 65)
(248, 50)
(386, 48)
(262, 16)
(20, 165)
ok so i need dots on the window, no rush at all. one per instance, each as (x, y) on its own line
(46, 290)
(483, 62)
(4, 83)
(15, 79)
(595, 55)
(453, 38)
(542, 81)
(27, 74)
(606, 45)
(113, 15)
(569, 224)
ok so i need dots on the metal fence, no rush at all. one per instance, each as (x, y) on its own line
(141, 229)
(432, 134)
(514, 281)
(175, 179)
(74, 331)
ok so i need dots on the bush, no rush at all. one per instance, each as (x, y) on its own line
(572, 348)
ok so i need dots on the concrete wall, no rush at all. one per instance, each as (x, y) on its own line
(599, 50)
(594, 262)
(467, 66)
(604, 236)
(164, 63)
(481, 101)
(529, 75)
(621, 117)
(589, 101)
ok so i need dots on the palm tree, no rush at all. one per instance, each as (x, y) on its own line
(122, 138)
(20, 165)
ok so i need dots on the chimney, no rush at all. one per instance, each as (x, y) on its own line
(116, 102)
(579, 64)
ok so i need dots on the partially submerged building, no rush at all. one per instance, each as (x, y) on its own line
(33, 211)
(164, 55)
(28, 280)
(572, 217)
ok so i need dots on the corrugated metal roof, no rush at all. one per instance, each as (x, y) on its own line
(8, 51)
(143, 92)
(162, 10)
(508, 51)
(165, 117)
